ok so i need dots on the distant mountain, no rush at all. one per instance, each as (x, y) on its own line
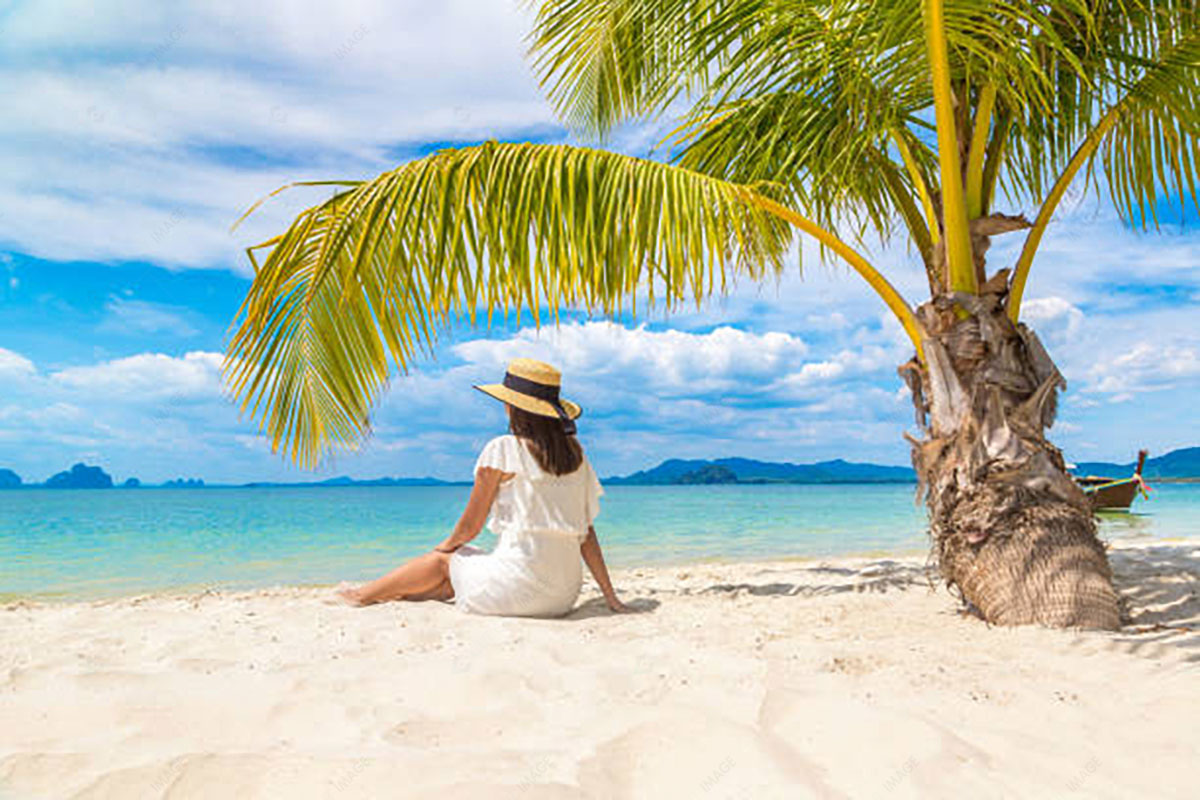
(426, 481)
(9, 479)
(712, 473)
(184, 483)
(81, 476)
(745, 470)
(346, 481)
(1183, 463)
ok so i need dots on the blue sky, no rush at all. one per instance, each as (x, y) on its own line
(136, 132)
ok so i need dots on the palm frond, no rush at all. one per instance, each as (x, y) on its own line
(1153, 148)
(1148, 140)
(366, 280)
(820, 152)
(605, 62)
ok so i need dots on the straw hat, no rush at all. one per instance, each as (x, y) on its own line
(533, 386)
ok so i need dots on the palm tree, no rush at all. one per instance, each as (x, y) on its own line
(837, 119)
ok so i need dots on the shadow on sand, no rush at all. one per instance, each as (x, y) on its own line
(1160, 585)
(596, 607)
(879, 577)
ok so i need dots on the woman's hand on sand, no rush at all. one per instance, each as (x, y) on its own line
(617, 607)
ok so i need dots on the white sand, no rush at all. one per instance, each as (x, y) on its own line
(785, 679)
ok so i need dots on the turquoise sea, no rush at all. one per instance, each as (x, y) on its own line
(89, 544)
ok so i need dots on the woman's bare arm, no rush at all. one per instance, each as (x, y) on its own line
(483, 494)
(594, 558)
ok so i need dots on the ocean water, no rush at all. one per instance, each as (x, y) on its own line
(90, 544)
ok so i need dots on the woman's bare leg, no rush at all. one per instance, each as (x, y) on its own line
(443, 591)
(426, 577)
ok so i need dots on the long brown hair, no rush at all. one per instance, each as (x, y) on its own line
(555, 451)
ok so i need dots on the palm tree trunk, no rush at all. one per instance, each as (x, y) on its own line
(1011, 530)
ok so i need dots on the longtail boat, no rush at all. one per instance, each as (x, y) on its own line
(1109, 494)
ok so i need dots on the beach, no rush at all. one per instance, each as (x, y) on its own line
(840, 677)
(758, 307)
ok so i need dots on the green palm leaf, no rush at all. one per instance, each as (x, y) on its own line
(605, 62)
(366, 280)
(826, 159)
(1148, 139)
(1154, 145)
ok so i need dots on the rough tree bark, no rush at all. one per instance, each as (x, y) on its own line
(1010, 528)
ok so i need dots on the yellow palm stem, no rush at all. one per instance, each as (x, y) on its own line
(1085, 151)
(914, 174)
(979, 140)
(954, 210)
(880, 284)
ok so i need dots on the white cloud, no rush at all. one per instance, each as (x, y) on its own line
(14, 366)
(834, 320)
(148, 377)
(1145, 367)
(1054, 318)
(668, 362)
(55, 414)
(138, 316)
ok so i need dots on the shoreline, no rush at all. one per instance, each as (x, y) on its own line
(908, 555)
(183, 592)
(905, 558)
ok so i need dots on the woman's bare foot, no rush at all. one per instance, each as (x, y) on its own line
(349, 595)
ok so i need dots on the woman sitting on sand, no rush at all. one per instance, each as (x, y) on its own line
(542, 496)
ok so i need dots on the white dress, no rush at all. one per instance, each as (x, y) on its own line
(540, 519)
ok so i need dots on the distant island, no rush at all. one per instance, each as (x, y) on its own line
(182, 483)
(678, 471)
(345, 481)
(1177, 465)
(1183, 464)
(81, 476)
